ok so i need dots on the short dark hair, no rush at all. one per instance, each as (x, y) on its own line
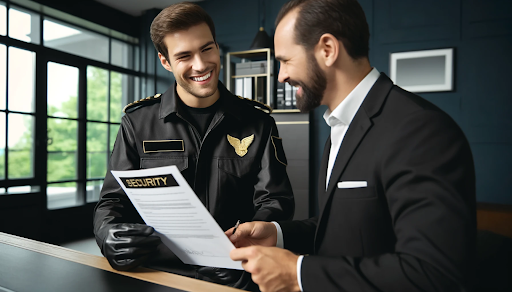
(344, 19)
(180, 16)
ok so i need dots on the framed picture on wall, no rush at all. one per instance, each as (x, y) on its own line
(423, 71)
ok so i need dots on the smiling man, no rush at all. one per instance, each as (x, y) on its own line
(228, 151)
(396, 184)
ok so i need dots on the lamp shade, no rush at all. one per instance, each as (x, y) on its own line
(262, 40)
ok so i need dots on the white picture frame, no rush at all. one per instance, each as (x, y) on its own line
(423, 71)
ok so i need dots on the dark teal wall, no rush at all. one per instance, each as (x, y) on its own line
(481, 33)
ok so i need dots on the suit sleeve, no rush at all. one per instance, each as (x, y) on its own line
(427, 175)
(114, 206)
(273, 196)
(299, 235)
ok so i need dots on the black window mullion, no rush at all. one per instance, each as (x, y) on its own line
(41, 126)
(108, 95)
(6, 149)
(82, 135)
(108, 117)
(110, 50)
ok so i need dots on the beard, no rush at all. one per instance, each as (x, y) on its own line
(313, 90)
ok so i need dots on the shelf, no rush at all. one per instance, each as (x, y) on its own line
(251, 75)
(261, 89)
(251, 54)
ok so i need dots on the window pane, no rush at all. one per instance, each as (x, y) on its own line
(62, 195)
(113, 134)
(97, 94)
(136, 90)
(96, 150)
(137, 59)
(62, 149)
(24, 25)
(3, 76)
(3, 19)
(62, 90)
(21, 74)
(62, 135)
(21, 146)
(74, 40)
(122, 92)
(122, 54)
(2, 145)
(93, 190)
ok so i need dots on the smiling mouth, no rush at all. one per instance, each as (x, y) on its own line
(202, 78)
(298, 87)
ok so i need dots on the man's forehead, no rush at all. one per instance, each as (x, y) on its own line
(287, 24)
(192, 37)
(284, 40)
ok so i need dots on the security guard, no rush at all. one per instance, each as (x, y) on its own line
(227, 148)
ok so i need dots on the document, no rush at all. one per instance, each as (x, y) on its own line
(166, 202)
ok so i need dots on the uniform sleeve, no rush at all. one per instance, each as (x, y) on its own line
(428, 177)
(114, 206)
(273, 196)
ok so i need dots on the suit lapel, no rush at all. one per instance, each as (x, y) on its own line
(322, 176)
(355, 133)
(358, 128)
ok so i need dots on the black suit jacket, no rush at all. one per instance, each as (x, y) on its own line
(413, 227)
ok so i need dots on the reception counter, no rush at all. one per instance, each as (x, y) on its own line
(29, 265)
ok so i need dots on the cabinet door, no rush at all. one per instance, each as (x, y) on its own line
(294, 130)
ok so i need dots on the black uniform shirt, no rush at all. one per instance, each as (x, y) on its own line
(200, 118)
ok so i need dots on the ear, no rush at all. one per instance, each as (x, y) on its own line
(328, 49)
(164, 62)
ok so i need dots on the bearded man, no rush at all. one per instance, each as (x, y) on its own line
(396, 184)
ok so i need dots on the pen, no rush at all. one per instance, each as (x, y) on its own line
(236, 226)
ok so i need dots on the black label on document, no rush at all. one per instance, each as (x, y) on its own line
(147, 182)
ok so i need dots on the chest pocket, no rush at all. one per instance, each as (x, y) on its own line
(355, 193)
(151, 162)
(239, 168)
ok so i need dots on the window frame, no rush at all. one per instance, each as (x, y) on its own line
(43, 56)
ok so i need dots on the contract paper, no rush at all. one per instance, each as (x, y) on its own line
(166, 202)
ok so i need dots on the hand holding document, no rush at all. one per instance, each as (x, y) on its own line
(166, 202)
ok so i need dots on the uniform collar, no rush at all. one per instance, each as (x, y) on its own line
(230, 104)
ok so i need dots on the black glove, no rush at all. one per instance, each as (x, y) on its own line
(129, 245)
(219, 275)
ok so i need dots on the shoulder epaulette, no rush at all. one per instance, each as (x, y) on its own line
(140, 103)
(257, 104)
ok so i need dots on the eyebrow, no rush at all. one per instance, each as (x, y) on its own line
(189, 52)
(280, 58)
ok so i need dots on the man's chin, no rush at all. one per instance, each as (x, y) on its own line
(305, 105)
(204, 93)
(200, 91)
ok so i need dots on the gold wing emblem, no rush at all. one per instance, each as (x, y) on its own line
(241, 146)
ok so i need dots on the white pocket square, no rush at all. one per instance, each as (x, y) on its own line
(352, 184)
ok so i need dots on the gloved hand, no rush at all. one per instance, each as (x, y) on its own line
(220, 275)
(129, 245)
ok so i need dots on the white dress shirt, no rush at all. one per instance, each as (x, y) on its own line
(339, 120)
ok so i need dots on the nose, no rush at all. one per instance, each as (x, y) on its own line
(283, 75)
(199, 65)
